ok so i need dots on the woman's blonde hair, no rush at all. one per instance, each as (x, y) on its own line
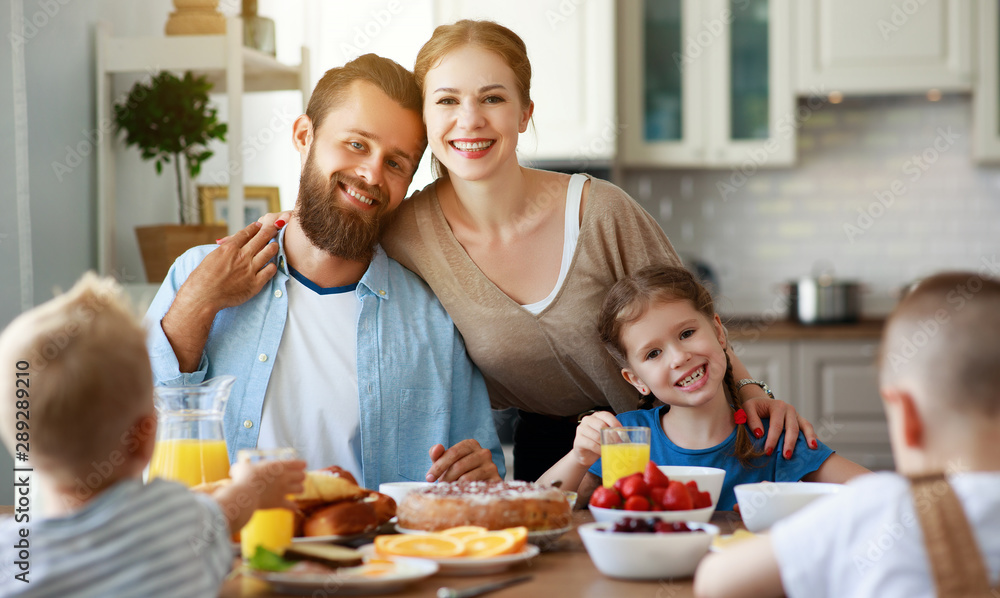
(632, 296)
(488, 35)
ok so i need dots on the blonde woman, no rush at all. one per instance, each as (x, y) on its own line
(522, 258)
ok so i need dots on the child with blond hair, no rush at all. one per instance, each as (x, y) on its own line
(932, 528)
(660, 326)
(78, 399)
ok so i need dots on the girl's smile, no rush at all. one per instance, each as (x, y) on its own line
(676, 353)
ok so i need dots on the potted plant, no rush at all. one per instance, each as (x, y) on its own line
(170, 120)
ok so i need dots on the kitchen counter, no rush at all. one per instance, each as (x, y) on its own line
(756, 328)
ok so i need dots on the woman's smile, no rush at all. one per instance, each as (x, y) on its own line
(473, 113)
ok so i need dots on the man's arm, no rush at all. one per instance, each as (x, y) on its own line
(478, 456)
(228, 276)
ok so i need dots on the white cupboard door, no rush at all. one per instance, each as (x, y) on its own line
(751, 114)
(884, 46)
(663, 92)
(839, 390)
(770, 362)
(571, 48)
(986, 105)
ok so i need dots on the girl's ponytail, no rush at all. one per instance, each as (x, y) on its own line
(745, 450)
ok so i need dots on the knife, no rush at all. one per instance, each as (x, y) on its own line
(446, 592)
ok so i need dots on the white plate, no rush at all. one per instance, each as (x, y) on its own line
(343, 582)
(471, 566)
(544, 539)
(385, 528)
(541, 538)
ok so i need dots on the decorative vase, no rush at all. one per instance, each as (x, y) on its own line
(258, 32)
(161, 244)
(196, 17)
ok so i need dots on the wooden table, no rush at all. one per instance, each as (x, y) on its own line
(564, 570)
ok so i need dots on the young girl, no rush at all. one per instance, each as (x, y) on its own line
(661, 327)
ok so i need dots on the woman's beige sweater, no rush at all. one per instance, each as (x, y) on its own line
(551, 363)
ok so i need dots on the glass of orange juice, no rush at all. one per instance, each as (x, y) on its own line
(270, 528)
(624, 451)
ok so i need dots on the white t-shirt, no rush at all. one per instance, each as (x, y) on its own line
(571, 233)
(866, 540)
(311, 402)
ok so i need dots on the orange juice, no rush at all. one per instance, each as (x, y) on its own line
(620, 460)
(190, 461)
(270, 528)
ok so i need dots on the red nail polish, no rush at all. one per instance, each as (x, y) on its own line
(814, 444)
(788, 454)
(769, 451)
(758, 433)
(279, 223)
(217, 241)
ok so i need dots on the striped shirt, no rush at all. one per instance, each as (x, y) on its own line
(154, 540)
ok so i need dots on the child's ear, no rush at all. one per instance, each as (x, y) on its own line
(634, 380)
(146, 438)
(720, 330)
(911, 424)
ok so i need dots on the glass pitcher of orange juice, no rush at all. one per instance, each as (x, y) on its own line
(190, 440)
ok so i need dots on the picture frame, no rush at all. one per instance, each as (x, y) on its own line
(257, 201)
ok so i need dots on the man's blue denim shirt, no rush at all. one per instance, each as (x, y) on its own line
(417, 386)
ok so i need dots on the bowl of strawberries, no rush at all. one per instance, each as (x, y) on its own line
(689, 494)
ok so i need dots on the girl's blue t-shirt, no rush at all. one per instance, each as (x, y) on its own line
(775, 468)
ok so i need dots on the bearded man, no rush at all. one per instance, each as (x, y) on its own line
(338, 351)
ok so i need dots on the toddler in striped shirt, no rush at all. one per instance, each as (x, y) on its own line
(77, 402)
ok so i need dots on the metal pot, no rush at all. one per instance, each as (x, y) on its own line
(823, 300)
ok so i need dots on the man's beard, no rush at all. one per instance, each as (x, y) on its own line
(340, 230)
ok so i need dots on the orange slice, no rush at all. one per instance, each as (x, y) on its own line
(381, 542)
(463, 531)
(520, 535)
(424, 545)
(488, 544)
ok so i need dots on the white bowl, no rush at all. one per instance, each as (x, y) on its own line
(709, 479)
(602, 515)
(399, 490)
(647, 555)
(764, 503)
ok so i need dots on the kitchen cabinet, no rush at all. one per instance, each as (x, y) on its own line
(833, 384)
(571, 48)
(986, 96)
(883, 46)
(232, 68)
(838, 391)
(706, 83)
(772, 363)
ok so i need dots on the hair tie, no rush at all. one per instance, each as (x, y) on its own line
(740, 417)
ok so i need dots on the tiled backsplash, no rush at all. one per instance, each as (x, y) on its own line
(938, 210)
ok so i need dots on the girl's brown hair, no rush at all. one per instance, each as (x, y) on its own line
(488, 35)
(629, 299)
